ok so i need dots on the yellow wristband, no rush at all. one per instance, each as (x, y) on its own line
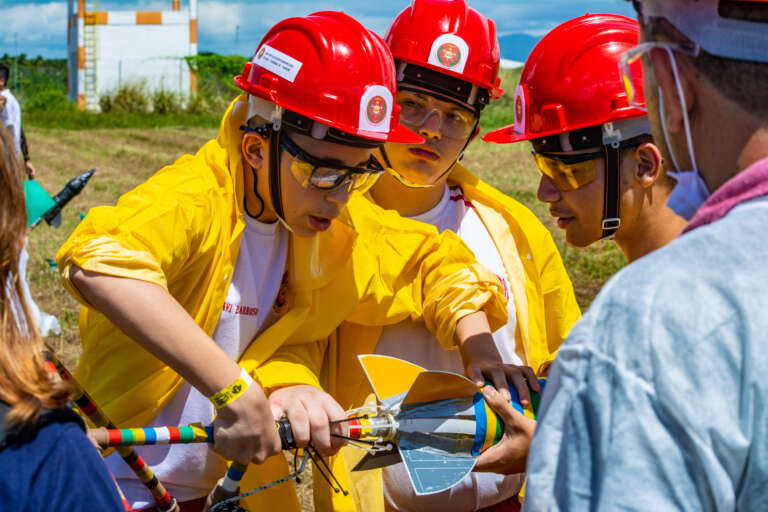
(232, 392)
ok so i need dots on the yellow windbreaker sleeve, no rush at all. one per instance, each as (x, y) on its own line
(152, 233)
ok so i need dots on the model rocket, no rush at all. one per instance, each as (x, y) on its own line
(50, 207)
(435, 422)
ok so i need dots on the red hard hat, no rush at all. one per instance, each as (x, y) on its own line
(328, 67)
(571, 80)
(449, 37)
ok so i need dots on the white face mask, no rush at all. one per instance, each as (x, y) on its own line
(691, 191)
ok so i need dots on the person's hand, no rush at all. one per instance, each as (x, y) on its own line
(509, 456)
(482, 360)
(3, 100)
(499, 374)
(310, 412)
(245, 431)
(31, 173)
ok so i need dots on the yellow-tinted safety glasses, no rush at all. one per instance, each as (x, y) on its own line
(568, 172)
(321, 174)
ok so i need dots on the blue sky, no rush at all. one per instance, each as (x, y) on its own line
(39, 27)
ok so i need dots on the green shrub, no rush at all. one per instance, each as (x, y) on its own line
(166, 102)
(48, 99)
(131, 97)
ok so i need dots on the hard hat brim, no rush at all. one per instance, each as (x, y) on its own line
(397, 133)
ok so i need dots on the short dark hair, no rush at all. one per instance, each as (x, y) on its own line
(4, 71)
(741, 81)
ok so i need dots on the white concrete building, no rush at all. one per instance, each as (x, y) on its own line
(111, 48)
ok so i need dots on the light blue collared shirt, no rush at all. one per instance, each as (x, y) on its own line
(658, 400)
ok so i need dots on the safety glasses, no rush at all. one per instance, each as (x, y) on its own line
(571, 172)
(631, 68)
(568, 172)
(321, 174)
(415, 110)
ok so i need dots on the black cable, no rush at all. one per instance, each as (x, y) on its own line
(226, 505)
(362, 441)
(322, 462)
(346, 420)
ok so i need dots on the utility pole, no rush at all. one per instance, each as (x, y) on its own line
(16, 62)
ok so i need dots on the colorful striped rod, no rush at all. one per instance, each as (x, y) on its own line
(86, 404)
(195, 433)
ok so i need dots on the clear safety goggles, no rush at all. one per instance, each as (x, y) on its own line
(324, 175)
(415, 110)
(631, 67)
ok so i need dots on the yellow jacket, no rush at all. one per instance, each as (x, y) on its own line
(181, 230)
(545, 306)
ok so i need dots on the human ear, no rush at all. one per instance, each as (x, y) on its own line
(253, 147)
(648, 164)
(661, 60)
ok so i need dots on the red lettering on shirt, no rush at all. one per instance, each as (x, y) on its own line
(460, 197)
(237, 309)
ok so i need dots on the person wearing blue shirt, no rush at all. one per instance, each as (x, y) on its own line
(46, 460)
(657, 399)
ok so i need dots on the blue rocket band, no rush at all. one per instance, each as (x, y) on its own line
(481, 423)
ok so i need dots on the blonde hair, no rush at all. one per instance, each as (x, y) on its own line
(24, 382)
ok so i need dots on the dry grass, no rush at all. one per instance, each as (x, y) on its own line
(126, 157)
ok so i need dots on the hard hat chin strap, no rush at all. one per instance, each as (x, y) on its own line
(611, 191)
(275, 183)
(272, 135)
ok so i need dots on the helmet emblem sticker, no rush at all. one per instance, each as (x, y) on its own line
(261, 53)
(521, 100)
(449, 54)
(376, 110)
(376, 105)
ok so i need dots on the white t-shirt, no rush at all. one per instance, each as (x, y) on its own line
(190, 471)
(10, 116)
(413, 342)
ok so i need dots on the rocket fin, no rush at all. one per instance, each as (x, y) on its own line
(431, 386)
(378, 460)
(433, 468)
(431, 471)
(388, 376)
(38, 201)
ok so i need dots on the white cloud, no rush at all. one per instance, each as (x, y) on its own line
(41, 25)
(33, 22)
